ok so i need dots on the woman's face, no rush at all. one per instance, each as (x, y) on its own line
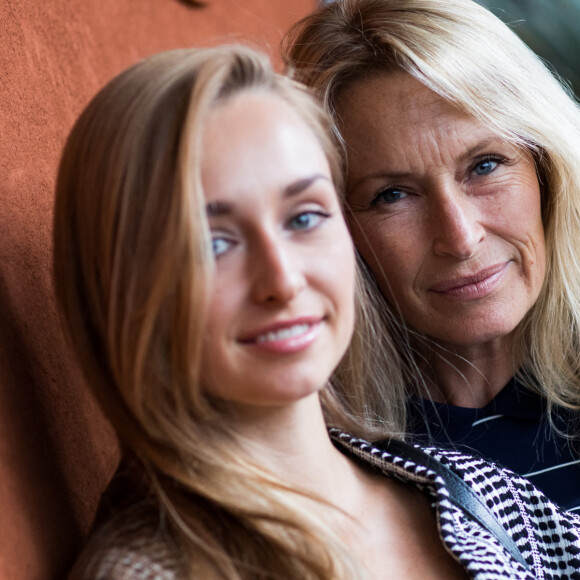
(446, 213)
(281, 311)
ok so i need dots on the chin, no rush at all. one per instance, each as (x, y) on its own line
(478, 338)
(463, 332)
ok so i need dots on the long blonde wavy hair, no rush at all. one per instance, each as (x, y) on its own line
(469, 57)
(132, 269)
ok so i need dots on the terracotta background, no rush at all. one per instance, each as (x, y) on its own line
(56, 451)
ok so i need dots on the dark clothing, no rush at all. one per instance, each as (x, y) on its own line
(512, 430)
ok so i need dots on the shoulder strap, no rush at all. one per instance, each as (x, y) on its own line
(460, 493)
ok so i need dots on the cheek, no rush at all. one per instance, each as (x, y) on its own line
(391, 254)
(345, 305)
(336, 273)
(217, 313)
(220, 318)
(340, 271)
(521, 223)
(348, 295)
(527, 207)
(538, 256)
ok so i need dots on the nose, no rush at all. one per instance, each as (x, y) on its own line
(277, 273)
(457, 231)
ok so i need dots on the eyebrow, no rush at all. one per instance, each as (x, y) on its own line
(480, 145)
(220, 208)
(217, 208)
(473, 150)
(302, 184)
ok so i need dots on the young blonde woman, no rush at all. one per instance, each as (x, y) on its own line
(207, 280)
(462, 158)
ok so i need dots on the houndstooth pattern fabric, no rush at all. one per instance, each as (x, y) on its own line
(548, 537)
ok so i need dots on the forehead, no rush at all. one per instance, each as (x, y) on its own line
(256, 141)
(393, 116)
(394, 99)
(399, 88)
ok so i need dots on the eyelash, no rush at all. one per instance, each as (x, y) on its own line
(486, 159)
(377, 198)
(217, 239)
(322, 215)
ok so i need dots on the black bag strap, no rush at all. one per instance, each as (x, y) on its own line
(460, 493)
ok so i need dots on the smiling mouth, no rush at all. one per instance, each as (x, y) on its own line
(477, 285)
(283, 333)
(285, 337)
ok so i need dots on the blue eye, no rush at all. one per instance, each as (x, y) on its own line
(307, 220)
(486, 166)
(220, 246)
(388, 196)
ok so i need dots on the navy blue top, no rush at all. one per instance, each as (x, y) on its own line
(512, 430)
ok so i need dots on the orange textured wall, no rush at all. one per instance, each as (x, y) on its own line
(56, 452)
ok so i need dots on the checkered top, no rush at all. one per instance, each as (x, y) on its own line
(547, 537)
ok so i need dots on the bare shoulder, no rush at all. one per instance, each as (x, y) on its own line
(133, 545)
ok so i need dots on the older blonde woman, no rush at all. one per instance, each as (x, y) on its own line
(462, 163)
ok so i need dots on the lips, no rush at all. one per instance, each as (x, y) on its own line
(283, 333)
(287, 331)
(482, 280)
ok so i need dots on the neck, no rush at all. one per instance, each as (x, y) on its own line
(292, 442)
(469, 376)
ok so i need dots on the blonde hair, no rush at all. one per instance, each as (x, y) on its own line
(132, 264)
(469, 57)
